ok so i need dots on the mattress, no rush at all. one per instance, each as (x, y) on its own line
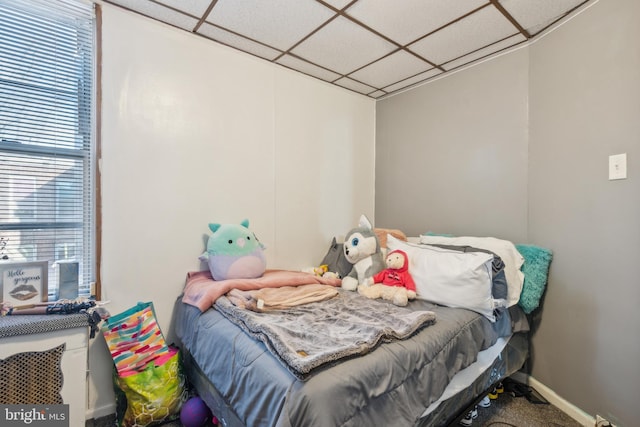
(394, 384)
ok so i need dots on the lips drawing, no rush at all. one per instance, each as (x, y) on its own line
(24, 292)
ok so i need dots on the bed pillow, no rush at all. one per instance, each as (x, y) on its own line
(505, 249)
(381, 234)
(499, 289)
(450, 278)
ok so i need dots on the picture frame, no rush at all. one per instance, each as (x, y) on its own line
(24, 283)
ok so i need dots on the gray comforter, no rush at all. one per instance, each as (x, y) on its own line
(308, 336)
(391, 385)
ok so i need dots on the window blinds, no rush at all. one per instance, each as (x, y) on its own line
(46, 137)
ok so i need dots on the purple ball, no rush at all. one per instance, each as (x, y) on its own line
(194, 413)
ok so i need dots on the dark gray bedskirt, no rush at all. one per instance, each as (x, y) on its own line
(511, 360)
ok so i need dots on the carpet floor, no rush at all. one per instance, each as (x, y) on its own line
(519, 412)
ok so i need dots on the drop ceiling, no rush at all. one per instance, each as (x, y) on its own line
(373, 47)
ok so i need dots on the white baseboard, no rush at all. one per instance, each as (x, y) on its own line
(102, 411)
(568, 408)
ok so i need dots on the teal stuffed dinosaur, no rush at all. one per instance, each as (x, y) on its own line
(234, 252)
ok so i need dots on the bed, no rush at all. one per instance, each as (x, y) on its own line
(427, 374)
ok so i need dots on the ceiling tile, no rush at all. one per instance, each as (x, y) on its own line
(277, 23)
(535, 16)
(353, 85)
(394, 67)
(413, 80)
(161, 13)
(476, 31)
(343, 46)
(196, 8)
(307, 68)
(238, 42)
(407, 20)
(508, 42)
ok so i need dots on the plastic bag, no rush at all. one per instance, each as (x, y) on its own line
(152, 396)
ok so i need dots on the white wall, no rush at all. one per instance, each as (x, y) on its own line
(194, 132)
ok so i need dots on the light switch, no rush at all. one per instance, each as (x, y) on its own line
(618, 166)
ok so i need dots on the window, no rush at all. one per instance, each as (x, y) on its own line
(47, 149)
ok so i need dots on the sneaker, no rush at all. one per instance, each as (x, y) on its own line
(485, 402)
(468, 419)
(493, 394)
(495, 391)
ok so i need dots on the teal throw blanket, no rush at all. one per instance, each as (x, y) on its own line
(536, 271)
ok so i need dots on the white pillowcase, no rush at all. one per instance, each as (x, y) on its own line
(506, 250)
(448, 277)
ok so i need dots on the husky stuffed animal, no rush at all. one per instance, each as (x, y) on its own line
(362, 250)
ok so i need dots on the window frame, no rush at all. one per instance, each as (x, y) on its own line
(88, 154)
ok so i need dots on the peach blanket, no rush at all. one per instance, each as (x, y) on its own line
(202, 291)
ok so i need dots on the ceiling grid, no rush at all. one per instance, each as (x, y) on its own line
(373, 47)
